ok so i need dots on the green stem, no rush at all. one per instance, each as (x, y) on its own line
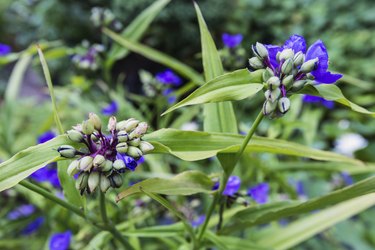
(226, 175)
(103, 209)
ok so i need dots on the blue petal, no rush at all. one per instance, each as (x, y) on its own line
(60, 241)
(231, 41)
(259, 193)
(46, 136)
(168, 77)
(33, 226)
(296, 43)
(111, 109)
(272, 52)
(5, 49)
(233, 185)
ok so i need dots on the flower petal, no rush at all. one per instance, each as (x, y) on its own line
(296, 43)
(272, 52)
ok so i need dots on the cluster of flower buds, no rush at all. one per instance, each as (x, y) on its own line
(103, 158)
(89, 60)
(287, 69)
(104, 17)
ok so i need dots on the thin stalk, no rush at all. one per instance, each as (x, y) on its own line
(227, 175)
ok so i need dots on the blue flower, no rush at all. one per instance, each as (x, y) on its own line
(319, 100)
(130, 162)
(296, 42)
(46, 136)
(231, 41)
(60, 241)
(233, 185)
(21, 211)
(168, 77)
(33, 226)
(321, 73)
(111, 109)
(348, 180)
(5, 49)
(171, 99)
(259, 192)
(196, 222)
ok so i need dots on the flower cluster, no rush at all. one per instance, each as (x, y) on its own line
(103, 158)
(88, 60)
(288, 69)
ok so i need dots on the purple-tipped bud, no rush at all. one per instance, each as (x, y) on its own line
(284, 104)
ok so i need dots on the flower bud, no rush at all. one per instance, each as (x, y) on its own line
(287, 66)
(122, 136)
(298, 85)
(139, 131)
(308, 66)
(99, 161)
(286, 54)
(272, 95)
(269, 107)
(261, 50)
(107, 166)
(75, 135)
(284, 104)
(81, 182)
(115, 180)
(287, 81)
(122, 147)
(104, 183)
(94, 137)
(95, 120)
(112, 123)
(274, 82)
(127, 125)
(267, 74)
(93, 181)
(256, 63)
(145, 147)
(86, 163)
(298, 59)
(134, 152)
(310, 76)
(73, 168)
(87, 127)
(119, 165)
(67, 151)
(135, 142)
(84, 150)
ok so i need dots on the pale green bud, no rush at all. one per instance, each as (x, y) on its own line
(269, 107)
(139, 131)
(267, 74)
(272, 95)
(75, 135)
(87, 127)
(274, 82)
(73, 168)
(67, 151)
(104, 183)
(84, 150)
(284, 104)
(95, 120)
(298, 59)
(99, 161)
(286, 54)
(308, 66)
(93, 181)
(261, 50)
(145, 147)
(107, 166)
(112, 123)
(82, 181)
(287, 66)
(86, 163)
(256, 63)
(298, 85)
(134, 152)
(122, 136)
(135, 142)
(122, 147)
(310, 76)
(127, 125)
(115, 180)
(119, 164)
(287, 81)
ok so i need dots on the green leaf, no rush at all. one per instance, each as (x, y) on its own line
(27, 161)
(156, 56)
(333, 93)
(303, 229)
(135, 30)
(232, 243)
(256, 215)
(186, 183)
(68, 185)
(195, 145)
(236, 85)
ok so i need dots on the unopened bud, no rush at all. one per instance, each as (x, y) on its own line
(298, 59)
(298, 85)
(310, 76)
(145, 147)
(95, 120)
(93, 181)
(287, 81)
(119, 165)
(87, 127)
(134, 152)
(287, 66)
(267, 74)
(127, 125)
(86, 163)
(272, 95)
(308, 66)
(274, 82)
(135, 142)
(122, 147)
(107, 166)
(261, 50)
(104, 183)
(286, 54)
(73, 168)
(75, 135)
(269, 107)
(99, 161)
(67, 151)
(81, 182)
(284, 104)
(115, 180)
(256, 63)
(94, 137)
(139, 131)
(122, 136)
(112, 123)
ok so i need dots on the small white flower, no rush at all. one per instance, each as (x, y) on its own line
(347, 144)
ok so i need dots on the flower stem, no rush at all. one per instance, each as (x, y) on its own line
(226, 175)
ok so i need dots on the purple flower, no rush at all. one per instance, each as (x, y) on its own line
(130, 162)
(46, 136)
(348, 180)
(141, 160)
(111, 109)
(233, 185)
(33, 226)
(231, 41)
(60, 241)
(321, 73)
(168, 77)
(319, 100)
(296, 42)
(21, 211)
(5, 49)
(47, 174)
(300, 189)
(259, 192)
(196, 222)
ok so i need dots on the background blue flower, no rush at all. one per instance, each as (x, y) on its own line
(33, 226)
(233, 185)
(21, 211)
(168, 77)
(4, 49)
(111, 109)
(231, 41)
(60, 241)
(259, 193)
(318, 100)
